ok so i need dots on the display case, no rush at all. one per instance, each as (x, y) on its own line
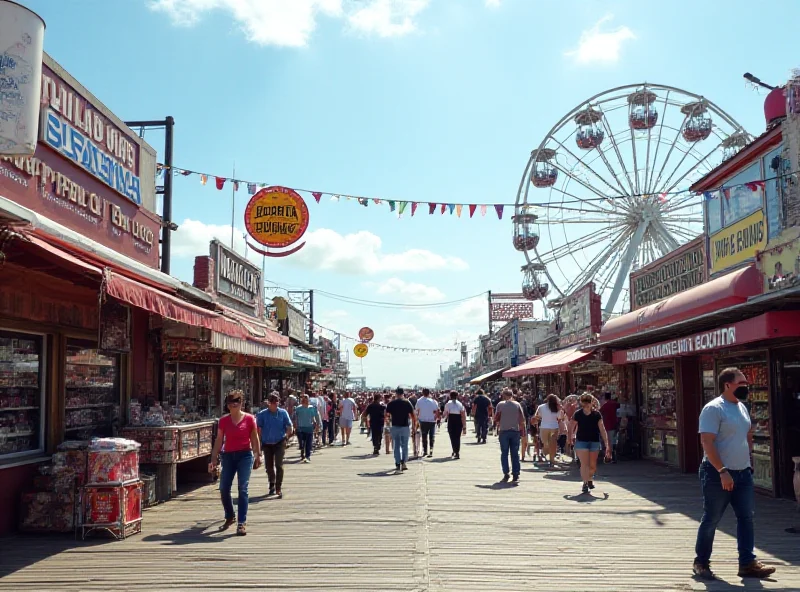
(709, 380)
(659, 411)
(21, 393)
(192, 391)
(241, 379)
(91, 392)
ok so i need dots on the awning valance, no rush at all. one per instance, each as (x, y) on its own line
(489, 375)
(722, 292)
(549, 363)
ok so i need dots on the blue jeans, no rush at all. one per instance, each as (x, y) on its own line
(509, 441)
(482, 426)
(306, 440)
(400, 437)
(236, 463)
(715, 502)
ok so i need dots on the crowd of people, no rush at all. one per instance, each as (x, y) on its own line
(577, 429)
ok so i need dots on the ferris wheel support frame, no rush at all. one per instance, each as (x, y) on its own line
(625, 264)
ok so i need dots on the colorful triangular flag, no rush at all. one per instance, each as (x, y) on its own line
(376, 201)
(709, 195)
(185, 173)
(458, 210)
(499, 209)
(451, 207)
(220, 182)
(483, 210)
(203, 179)
(262, 185)
(413, 207)
(401, 207)
(317, 196)
(472, 208)
(443, 208)
(334, 198)
(363, 201)
(236, 185)
(391, 205)
(726, 192)
(251, 188)
(755, 185)
(431, 208)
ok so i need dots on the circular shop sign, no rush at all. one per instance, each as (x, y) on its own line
(360, 350)
(366, 334)
(276, 217)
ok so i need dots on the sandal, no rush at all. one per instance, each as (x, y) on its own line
(241, 529)
(227, 524)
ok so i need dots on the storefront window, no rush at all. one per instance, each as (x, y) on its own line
(92, 392)
(659, 408)
(741, 200)
(21, 393)
(241, 379)
(774, 165)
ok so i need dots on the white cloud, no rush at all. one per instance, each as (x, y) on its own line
(291, 23)
(387, 18)
(406, 334)
(360, 254)
(192, 238)
(410, 292)
(601, 47)
(493, 3)
(474, 312)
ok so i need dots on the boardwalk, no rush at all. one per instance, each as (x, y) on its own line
(345, 523)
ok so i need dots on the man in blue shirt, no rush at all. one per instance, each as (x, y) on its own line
(274, 430)
(726, 477)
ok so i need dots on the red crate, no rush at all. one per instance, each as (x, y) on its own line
(110, 466)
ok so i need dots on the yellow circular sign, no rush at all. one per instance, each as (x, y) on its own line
(360, 350)
(276, 217)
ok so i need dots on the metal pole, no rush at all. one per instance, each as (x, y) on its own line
(233, 204)
(166, 231)
(490, 312)
(311, 317)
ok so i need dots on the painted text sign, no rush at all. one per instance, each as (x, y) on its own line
(507, 311)
(670, 275)
(738, 242)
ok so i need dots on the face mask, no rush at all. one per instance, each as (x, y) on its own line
(741, 393)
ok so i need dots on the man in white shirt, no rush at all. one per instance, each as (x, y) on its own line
(427, 411)
(347, 414)
(322, 408)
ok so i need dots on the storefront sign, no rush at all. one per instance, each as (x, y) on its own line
(294, 323)
(579, 316)
(780, 265)
(236, 280)
(507, 311)
(85, 136)
(361, 350)
(305, 358)
(366, 334)
(771, 325)
(676, 272)
(276, 217)
(738, 243)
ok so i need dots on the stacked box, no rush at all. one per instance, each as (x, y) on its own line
(148, 490)
(189, 444)
(109, 466)
(47, 511)
(206, 440)
(113, 508)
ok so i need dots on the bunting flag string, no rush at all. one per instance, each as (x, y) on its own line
(401, 205)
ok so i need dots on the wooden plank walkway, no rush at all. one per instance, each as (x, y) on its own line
(346, 523)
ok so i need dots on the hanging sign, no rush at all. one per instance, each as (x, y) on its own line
(276, 217)
(676, 272)
(366, 334)
(361, 350)
(738, 242)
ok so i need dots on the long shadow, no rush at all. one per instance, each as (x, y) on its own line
(23, 550)
(679, 493)
(386, 473)
(498, 485)
(586, 498)
(360, 456)
(205, 531)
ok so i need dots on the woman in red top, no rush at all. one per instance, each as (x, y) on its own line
(237, 437)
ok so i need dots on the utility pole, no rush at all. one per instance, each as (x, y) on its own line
(489, 299)
(311, 317)
(167, 225)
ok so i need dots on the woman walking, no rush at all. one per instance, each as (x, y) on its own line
(237, 438)
(586, 429)
(549, 414)
(333, 409)
(456, 417)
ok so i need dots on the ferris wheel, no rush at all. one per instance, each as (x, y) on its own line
(606, 191)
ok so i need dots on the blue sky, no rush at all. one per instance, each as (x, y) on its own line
(428, 100)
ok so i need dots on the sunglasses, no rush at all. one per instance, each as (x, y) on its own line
(234, 402)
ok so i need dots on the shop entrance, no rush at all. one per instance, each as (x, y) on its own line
(789, 396)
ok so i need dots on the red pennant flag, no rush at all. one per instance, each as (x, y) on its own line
(431, 208)
(220, 182)
(755, 185)
(317, 195)
(186, 173)
(444, 207)
(499, 209)
(236, 185)
(726, 192)
(413, 207)
(472, 208)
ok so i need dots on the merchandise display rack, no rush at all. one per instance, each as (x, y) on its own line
(115, 508)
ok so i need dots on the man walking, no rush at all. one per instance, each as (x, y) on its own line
(482, 410)
(274, 430)
(376, 417)
(427, 414)
(347, 414)
(510, 421)
(726, 477)
(610, 420)
(308, 421)
(402, 415)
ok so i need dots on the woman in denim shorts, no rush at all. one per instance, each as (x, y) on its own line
(586, 429)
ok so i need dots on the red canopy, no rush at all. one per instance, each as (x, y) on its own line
(722, 292)
(550, 363)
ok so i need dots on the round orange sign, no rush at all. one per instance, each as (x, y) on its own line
(276, 217)
(360, 350)
(366, 334)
